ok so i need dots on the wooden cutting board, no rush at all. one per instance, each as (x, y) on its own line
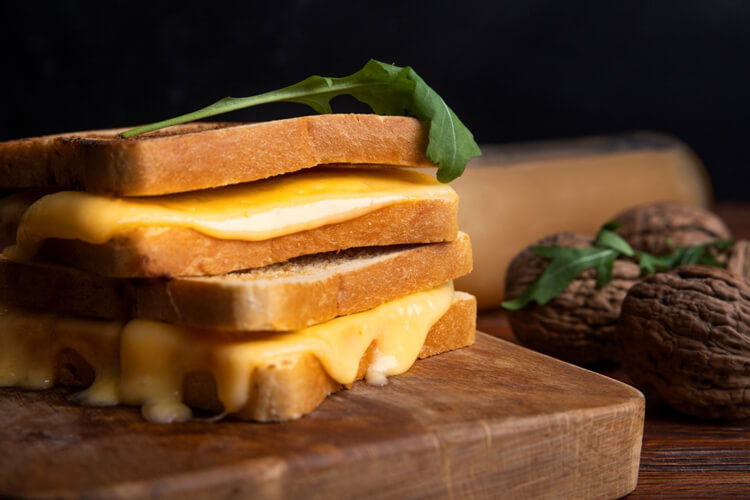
(494, 420)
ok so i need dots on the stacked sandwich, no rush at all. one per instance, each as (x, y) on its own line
(249, 270)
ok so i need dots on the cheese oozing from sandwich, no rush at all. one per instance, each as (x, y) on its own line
(32, 343)
(253, 211)
(145, 362)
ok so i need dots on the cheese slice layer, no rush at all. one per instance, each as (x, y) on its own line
(254, 211)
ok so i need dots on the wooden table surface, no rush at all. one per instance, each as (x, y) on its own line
(533, 427)
(682, 457)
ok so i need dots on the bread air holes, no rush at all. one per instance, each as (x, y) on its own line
(72, 369)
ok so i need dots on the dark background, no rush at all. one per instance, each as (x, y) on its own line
(512, 70)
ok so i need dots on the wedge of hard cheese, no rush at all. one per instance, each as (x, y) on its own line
(250, 375)
(515, 194)
(276, 297)
(204, 155)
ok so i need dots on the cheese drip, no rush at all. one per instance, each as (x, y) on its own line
(145, 362)
(157, 356)
(253, 211)
(31, 343)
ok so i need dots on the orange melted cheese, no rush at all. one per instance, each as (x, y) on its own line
(145, 362)
(252, 212)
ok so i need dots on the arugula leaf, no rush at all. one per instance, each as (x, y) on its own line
(387, 89)
(609, 239)
(604, 270)
(567, 263)
(650, 264)
(703, 254)
(722, 246)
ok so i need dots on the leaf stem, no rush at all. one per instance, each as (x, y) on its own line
(385, 88)
(228, 104)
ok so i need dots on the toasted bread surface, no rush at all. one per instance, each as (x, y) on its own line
(204, 155)
(65, 290)
(171, 252)
(285, 296)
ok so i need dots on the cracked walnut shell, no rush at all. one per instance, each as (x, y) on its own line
(579, 324)
(686, 333)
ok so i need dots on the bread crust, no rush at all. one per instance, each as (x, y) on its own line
(287, 296)
(172, 252)
(203, 155)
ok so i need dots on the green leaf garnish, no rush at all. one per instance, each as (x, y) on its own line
(703, 255)
(650, 264)
(387, 89)
(609, 239)
(604, 269)
(567, 263)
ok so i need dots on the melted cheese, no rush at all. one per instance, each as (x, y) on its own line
(145, 362)
(157, 356)
(252, 212)
(31, 343)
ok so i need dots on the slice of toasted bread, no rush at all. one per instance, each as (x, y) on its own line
(204, 155)
(282, 389)
(285, 296)
(170, 252)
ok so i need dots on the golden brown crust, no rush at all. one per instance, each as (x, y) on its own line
(157, 252)
(65, 290)
(279, 302)
(288, 389)
(40, 162)
(287, 296)
(202, 155)
(457, 328)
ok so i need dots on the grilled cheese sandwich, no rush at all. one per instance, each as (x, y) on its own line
(263, 371)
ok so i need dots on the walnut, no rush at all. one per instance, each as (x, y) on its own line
(738, 259)
(649, 227)
(578, 325)
(686, 333)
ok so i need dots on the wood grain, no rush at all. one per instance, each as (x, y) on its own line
(682, 457)
(493, 420)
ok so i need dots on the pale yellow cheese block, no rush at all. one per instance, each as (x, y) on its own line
(516, 194)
